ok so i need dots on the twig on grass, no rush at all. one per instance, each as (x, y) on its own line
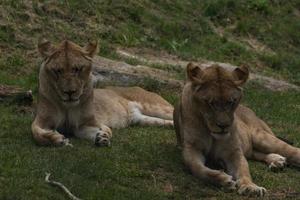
(154, 180)
(60, 185)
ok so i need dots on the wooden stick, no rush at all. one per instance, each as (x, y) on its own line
(60, 185)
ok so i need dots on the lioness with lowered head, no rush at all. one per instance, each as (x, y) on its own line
(215, 130)
(68, 104)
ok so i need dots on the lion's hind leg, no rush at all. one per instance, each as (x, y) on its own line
(138, 115)
(158, 110)
(150, 103)
(267, 143)
(274, 161)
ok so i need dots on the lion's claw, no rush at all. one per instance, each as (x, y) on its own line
(64, 142)
(102, 140)
(252, 190)
(276, 162)
(228, 182)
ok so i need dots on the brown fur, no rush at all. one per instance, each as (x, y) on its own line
(211, 126)
(68, 104)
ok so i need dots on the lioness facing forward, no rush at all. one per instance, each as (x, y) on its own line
(213, 128)
(68, 104)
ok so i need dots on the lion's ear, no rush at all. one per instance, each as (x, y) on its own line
(240, 75)
(194, 73)
(45, 48)
(91, 48)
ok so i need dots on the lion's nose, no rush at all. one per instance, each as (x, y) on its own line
(222, 126)
(69, 92)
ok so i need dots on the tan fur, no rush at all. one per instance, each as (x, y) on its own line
(213, 128)
(68, 104)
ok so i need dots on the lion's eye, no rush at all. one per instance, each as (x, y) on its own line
(198, 88)
(232, 102)
(58, 71)
(76, 70)
(215, 105)
(210, 103)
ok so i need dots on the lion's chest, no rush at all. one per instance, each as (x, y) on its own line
(68, 122)
(220, 147)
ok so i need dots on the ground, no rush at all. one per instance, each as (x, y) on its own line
(144, 162)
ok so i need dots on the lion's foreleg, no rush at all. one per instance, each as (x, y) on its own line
(100, 136)
(195, 161)
(44, 136)
(237, 166)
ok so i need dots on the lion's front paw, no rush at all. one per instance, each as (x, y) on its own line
(102, 139)
(65, 142)
(250, 189)
(60, 140)
(227, 181)
(276, 161)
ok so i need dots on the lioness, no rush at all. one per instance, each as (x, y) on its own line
(68, 104)
(212, 127)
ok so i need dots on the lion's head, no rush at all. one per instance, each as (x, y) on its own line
(68, 68)
(217, 93)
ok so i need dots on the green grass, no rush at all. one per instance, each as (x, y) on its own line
(143, 161)
(184, 28)
(140, 164)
